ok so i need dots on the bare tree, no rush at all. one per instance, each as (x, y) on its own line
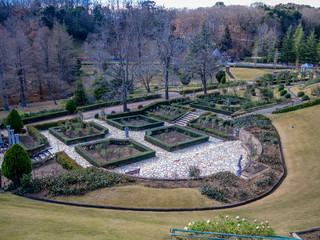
(4, 37)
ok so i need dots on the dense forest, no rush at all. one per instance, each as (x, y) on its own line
(130, 43)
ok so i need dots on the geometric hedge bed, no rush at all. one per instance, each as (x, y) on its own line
(135, 122)
(144, 152)
(174, 138)
(68, 141)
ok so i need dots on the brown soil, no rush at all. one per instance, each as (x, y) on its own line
(113, 153)
(27, 141)
(172, 137)
(315, 235)
(163, 112)
(74, 133)
(216, 128)
(50, 167)
(255, 168)
(134, 122)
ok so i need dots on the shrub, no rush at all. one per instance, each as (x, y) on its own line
(305, 98)
(80, 97)
(281, 88)
(220, 75)
(96, 115)
(194, 171)
(14, 121)
(113, 111)
(223, 80)
(65, 161)
(140, 106)
(16, 162)
(264, 182)
(288, 95)
(214, 193)
(37, 136)
(300, 106)
(300, 94)
(228, 225)
(71, 106)
(283, 92)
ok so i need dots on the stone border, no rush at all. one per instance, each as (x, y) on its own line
(296, 234)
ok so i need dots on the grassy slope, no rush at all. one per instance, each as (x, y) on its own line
(294, 206)
(249, 74)
(307, 90)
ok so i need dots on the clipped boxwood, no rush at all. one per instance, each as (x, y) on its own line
(288, 95)
(300, 94)
(153, 123)
(145, 153)
(68, 141)
(208, 130)
(47, 125)
(65, 161)
(300, 106)
(42, 141)
(281, 88)
(305, 98)
(283, 92)
(197, 138)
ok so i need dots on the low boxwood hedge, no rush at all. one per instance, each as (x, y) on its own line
(47, 125)
(197, 138)
(300, 106)
(145, 153)
(208, 130)
(212, 109)
(153, 123)
(65, 161)
(42, 141)
(69, 141)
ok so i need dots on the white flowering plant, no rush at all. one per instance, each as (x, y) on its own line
(239, 226)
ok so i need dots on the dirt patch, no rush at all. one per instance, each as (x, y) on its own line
(111, 152)
(314, 235)
(172, 137)
(138, 121)
(50, 167)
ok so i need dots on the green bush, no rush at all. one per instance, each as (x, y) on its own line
(300, 94)
(16, 162)
(14, 121)
(283, 92)
(214, 193)
(80, 96)
(227, 225)
(71, 106)
(264, 182)
(65, 161)
(305, 98)
(288, 95)
(37, 136)
(300, 106)
(281, 88)
(223, 80)
(220, 75)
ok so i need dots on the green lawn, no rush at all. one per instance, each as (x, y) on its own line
(294, 206)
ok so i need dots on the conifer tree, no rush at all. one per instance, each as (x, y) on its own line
(287, 54)
(226, 41)
(299, 44)
(80, 96)
(14, 121)
(311, 48)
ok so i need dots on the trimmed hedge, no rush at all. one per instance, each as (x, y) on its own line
(47, 125)
(153, 123)
(145, 153)
(198, 138)
(211, 109)
(42, 141)
(69, 141)
(208, 130)
(146, 108)
(86, 108)
(300, 106)
(300, 94)
(171, 119)
(199, 89)
(65, 161)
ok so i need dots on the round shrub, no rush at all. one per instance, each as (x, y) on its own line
(16, 162)
(140, 106)
(96, 115)
(305, 98)
(71, 106)
(288, 95)
(300, 94)
(223, 80)
(14, 121)
(113, 111)
(219, 75)
(280, 88)
(283, 92)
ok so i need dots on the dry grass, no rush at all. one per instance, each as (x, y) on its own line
(307, 90)
(294, 206)
(249, 74)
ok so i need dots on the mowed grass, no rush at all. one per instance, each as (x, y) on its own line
(294, 206)
(249, 74)
(138, 196)
(307, 90)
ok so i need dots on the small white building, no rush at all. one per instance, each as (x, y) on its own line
(306, 67)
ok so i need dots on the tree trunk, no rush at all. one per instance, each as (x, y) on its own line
(20, 76)
(5, 101)
(40, 89)
(47, 73)
(204, 81)
(61, 77)
(167, 84)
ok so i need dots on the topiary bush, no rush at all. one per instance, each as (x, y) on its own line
(283, 92)
(71, 106)
(288, 95)
(16, 162)
(14, 121)
(281, 88)
(305, 98)
(220, 75)
(300, 94)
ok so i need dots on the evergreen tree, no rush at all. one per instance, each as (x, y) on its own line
(299, 44)
(14, 121)
(287, 54)
(311, 48)
(16, 162)
(273, 50)
(80, 96)
(226, 41)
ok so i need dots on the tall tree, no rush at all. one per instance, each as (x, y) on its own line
(226, 40)
(311, 48)
(287, 54)
(201, 55)
(299, 44)
(4, 36)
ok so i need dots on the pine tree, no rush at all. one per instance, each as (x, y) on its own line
(226, 41)
(14, 121)
(273, 50)
(80, 96)
(287, 54)
(311, 48)
(299, 44)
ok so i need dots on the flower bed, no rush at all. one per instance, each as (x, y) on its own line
(135, 123)
(77, 131)
(174, 137)
(169, 113)
(114, 152)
